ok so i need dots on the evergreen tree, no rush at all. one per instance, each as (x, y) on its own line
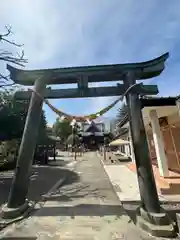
(122, 112)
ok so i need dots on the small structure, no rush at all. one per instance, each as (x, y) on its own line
(46, 148)
(119, 142)
(162, 125)
(125, 135)
(123, 146)
(93, 135)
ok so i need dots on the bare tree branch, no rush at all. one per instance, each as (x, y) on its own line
(7, 85)
(3, 37)
(4, 77)
(6, 82)
(8, 56)
(9, 31)
(11, 42)
(3, 52)
(18, 61)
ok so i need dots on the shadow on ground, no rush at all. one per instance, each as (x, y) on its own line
(41, 181)
(171, 207)
(83, 210)
(59, 163)
(21, 238)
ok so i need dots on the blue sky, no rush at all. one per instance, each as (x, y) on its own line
(60, 33)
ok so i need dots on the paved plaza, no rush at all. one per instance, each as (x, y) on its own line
(86, 207)
(41, 181)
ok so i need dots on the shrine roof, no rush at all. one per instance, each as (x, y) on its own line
(97, 73)
(158, 101)
(93, 128)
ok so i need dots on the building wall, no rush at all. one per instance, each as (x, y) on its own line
(152, 150)
(171, 137)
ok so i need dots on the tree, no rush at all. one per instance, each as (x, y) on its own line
(7, 56)
(12, 121)
(13, 116)
(122, 112)
(42, 134)
(49, 130)
(73, 139)
(62, 129)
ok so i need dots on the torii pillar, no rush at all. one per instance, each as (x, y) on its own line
(150, 216)
(17, 198)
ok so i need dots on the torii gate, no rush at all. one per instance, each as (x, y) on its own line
(150, 211)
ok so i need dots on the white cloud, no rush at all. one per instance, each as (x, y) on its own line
(76, 32)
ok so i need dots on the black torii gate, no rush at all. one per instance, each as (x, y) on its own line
(150, 211)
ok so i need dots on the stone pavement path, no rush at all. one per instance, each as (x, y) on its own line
(41, 181)
(86, 207)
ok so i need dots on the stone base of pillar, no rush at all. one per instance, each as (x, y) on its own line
(13, 213)
(156, 224)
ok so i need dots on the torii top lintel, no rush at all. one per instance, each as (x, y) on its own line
(98, 73)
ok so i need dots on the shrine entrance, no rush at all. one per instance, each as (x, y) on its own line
(128, 74)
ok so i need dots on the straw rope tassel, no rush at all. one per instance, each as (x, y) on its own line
(78, 118)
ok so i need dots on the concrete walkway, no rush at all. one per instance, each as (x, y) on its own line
(123, 176)
(86, 207)
(126, 187)
(124, 182)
